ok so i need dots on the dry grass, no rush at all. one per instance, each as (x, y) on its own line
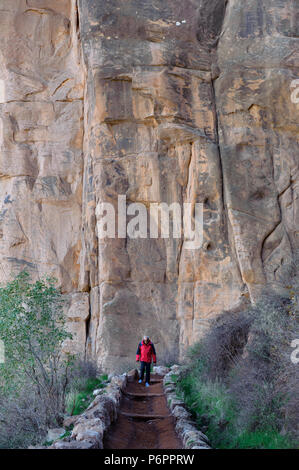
(241, 384)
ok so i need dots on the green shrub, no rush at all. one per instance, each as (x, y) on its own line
(79, 399)
(37, 381)
(35, 375)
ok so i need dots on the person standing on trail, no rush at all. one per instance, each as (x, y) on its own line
(145, 353)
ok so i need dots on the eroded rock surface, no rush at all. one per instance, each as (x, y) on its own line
(258, 134)
(173, 101)
(41, 141)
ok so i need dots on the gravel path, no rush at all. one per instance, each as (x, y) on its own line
(144, 420)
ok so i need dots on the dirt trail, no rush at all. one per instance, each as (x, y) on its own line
(144, 420)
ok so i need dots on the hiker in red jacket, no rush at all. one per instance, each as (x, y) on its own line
(145, 353)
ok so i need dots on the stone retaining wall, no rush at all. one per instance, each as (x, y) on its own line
(90, 426)
(185, 426)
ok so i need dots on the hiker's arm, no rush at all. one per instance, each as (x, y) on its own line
(138, 353)
(154, 354)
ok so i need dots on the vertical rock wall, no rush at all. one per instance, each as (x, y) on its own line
(258, 134)
(151, 134)
(41, 135)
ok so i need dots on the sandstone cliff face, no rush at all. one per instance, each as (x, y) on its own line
(41, 157)
(173, 101)
(258, 135)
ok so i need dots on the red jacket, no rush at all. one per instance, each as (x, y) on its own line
(146, 352)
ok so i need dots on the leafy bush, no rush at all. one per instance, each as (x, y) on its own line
(35, 374)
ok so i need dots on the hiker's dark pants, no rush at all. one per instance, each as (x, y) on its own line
(147, 366)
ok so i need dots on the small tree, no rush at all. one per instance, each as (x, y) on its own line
(32, 327)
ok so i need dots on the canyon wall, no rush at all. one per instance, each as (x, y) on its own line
(160, 101)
